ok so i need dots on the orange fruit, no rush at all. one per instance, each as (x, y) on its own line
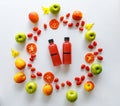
(77, 15)
(20, 63)
(33, 17)
(89, 58)
(47, 89)
(19, 77)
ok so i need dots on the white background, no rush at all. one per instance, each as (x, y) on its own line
(14, 18)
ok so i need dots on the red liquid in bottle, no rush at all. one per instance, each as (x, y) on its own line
(54, 53)
(67, 51)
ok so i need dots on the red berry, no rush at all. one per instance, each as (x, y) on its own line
(33, 69)
(61, 18)
(33, 76)
(62, 84)
(35, 38)
(39, 32)
(82, 23)
(99, 57)
(31, 59)
(29, 65)
(56, 80)
(87, 68)
(45, 26)
(39, 74)
(68, 83)
(100, 49)
(57, 86)
(90, 46)
(33, 55)
(82, 66)
(67, 15)
(94, 43)
(79, 82)
(65, 21)
(35, 28)
(81, 29)
(70, 25)
(90, 75)
(29, 35)
(77, 24)
(82, 78)
(77, 78)
(95, 53)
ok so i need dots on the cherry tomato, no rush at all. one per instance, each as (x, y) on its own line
(89, 58)
(54, 23)
(31, 48)
(48, 77)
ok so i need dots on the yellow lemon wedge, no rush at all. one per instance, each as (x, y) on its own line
(89, 26)
(45, 10)
(14, 52)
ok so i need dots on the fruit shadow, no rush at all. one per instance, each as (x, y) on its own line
(67, 103)
(20, 46)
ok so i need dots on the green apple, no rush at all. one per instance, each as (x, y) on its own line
(31, 87)
(96, 68)
(55, 8)
(71, 95)
(90, 35)
(20, 37)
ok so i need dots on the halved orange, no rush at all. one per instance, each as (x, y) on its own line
(89, 58)
(54, 23)
(48, 77)
(31, 48)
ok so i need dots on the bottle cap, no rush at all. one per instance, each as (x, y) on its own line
(66, 38)
(50, 40)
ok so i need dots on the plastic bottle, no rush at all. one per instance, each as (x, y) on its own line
(54, 53)
(67, 51)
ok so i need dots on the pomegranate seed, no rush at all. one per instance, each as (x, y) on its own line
(94, 43)
(33, 55)
(87, 68)
(77, 24)
(35, 38)
(56, 80)
(31, 59)
(45, 26)
(99, 57)
(78, 82)
(95, 53)
(61, 18)
(29, 65)
(29, 35)
(62, 84)
(57, 86)
(82, 66)
(82, 78)
(65, 21)
(33, 76)
(100, 49)
(90, 46)
(39, 74)
(81, 29)
(35, 28)
(90, 75)
(67, 15)
(77, 79)
(68, 83)
(70, 25)
(82, 23)
(39, 32)
(33, 69)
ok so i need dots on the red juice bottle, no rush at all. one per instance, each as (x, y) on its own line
(67, 51)
(54, 53)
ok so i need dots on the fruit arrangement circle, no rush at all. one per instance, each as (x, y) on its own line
(91, 67)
